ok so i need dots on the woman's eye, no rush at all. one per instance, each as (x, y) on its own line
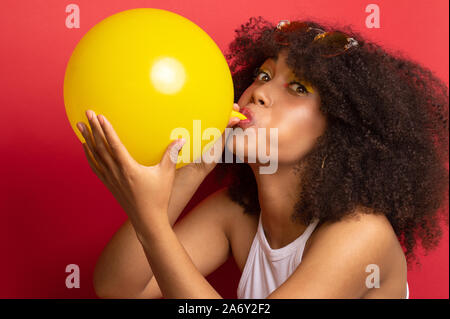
(298, 88)
(257, 74)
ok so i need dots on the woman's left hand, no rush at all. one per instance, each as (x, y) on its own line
(142, 191)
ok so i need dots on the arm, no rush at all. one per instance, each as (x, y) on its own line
(122, 269)
(133, 185)
(181, 257)
(175, 271)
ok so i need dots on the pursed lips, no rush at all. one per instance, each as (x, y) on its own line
(249, 121)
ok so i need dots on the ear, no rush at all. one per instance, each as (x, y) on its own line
(170, 156)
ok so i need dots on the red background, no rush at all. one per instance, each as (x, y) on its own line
(55, 211)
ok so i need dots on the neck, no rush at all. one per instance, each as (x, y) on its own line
(277, 195)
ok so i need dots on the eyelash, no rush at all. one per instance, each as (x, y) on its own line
(259, 71)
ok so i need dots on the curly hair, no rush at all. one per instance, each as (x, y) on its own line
(386, 143)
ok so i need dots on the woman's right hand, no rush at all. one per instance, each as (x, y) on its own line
(204, 168)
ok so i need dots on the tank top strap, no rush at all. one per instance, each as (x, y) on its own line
(311, 227)
(280, 253)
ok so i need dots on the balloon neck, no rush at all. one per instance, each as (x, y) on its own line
(238, 115)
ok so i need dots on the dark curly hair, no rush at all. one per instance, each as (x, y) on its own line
(386, 144)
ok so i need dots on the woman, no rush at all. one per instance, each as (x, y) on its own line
(360, 179)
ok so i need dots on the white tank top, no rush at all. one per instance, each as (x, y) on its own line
(266, 268)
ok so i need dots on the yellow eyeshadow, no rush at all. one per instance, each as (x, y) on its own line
(265, 70)
(308, 87)
(304, 83)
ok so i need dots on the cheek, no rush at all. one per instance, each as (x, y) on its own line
(297, 134)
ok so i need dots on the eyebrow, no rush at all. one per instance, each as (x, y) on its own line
(303, 81)
(270, 59)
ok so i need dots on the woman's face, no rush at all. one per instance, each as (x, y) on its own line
(277, 99)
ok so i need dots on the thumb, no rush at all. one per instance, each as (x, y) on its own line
(170, 157)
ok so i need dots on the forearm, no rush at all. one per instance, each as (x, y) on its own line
(187, 181)
(122, 270)
(173, 269)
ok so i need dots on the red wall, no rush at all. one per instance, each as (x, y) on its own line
(55, 211)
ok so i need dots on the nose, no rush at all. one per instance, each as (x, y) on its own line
(260, 96)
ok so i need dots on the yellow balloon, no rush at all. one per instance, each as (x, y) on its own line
(150, 71)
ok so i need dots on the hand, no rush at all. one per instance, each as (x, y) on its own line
(142, 191)
(205, 168)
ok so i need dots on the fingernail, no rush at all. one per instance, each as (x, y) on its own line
(176, 150)
(101, 119)
(105, 120)
(80, 127)
(181, 142)
(178, 145)
(90, 114)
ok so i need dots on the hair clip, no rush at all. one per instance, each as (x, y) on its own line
(283, 23)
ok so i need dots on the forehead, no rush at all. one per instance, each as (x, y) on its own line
(271, 60)
(279, 57)
(278, 62)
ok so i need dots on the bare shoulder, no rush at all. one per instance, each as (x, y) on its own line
(341, 254)
(360, 221)
(362, 239)
(374, 230)
(239, 227)
(224, 208)
(225, 211)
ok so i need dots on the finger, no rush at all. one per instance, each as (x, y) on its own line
(170, 156)
(104, 178)
(100, 141)
(233, 121)
(90, 144)
(118, 150)
(94, 166)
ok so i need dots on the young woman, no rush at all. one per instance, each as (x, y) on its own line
(360, 179)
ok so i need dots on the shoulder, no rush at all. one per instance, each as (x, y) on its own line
(226, 210)
(362, 235)
(221, 201)
(337, 262)
(361, 223)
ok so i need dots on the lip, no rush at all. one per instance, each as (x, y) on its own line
(247, 122)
